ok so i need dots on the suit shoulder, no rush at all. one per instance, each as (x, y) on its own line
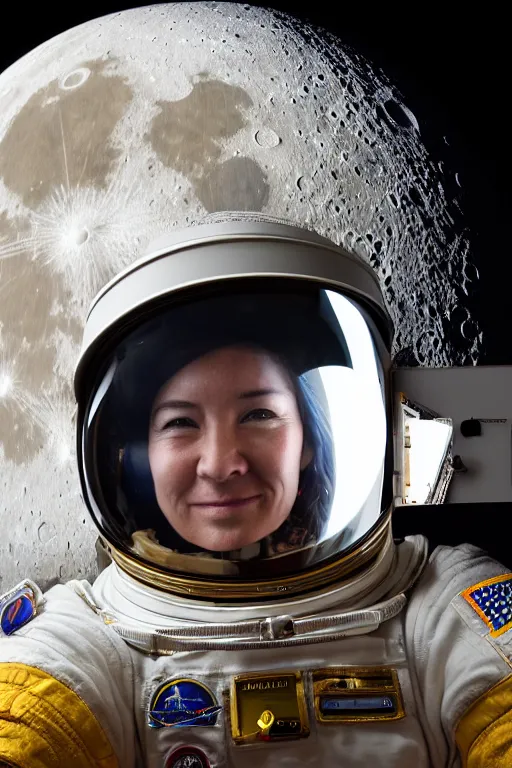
(469, 586)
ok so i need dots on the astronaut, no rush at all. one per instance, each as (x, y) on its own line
(235, 451)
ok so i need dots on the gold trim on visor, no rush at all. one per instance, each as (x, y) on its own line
(308, 581)
(357, 695)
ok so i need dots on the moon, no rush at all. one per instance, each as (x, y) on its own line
(127, 126)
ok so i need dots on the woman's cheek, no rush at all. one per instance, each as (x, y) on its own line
(267, 448)
(287, 446)
(278, 460)
(163, 464)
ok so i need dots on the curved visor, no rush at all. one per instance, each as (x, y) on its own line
(239, 428)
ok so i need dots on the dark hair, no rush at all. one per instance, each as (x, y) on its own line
(317, 480)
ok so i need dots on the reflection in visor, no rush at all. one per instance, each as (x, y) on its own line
(240, 427)
(357, 409)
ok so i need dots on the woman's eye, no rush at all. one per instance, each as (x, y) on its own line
(259, 414)
(179, 423)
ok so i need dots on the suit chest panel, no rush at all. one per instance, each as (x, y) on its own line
(348, 703)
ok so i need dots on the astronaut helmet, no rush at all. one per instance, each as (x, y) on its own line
(233, 412)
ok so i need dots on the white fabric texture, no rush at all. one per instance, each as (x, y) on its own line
(439, 646)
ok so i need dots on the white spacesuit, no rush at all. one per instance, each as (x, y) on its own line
(235, 449)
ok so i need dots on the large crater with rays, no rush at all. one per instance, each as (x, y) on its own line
(129, 125)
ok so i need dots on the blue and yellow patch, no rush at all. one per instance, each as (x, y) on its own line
(492, 600)
(183, 702)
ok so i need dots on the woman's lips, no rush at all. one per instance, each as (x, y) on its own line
(225, 503)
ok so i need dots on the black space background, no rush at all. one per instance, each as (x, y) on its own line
(450, 64)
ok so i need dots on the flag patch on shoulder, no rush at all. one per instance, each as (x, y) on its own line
(492, 600)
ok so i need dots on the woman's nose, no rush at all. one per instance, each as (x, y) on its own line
(221, 456)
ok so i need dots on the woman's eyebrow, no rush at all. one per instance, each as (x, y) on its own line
(174, 404)
(260, 393)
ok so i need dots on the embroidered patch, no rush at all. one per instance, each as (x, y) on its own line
(182, 702)
(187, 757)
(19, 606)
(492, 600)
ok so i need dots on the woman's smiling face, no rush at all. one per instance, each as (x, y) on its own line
(226, 448)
